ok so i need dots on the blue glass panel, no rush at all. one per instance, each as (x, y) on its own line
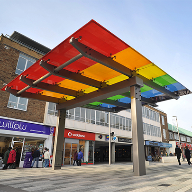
(175, 87)
(151, 93)
(125, 100)
(107, 105)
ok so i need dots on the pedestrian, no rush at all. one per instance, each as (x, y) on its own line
(36, 156)
(178, 153)
(75, 158)
(79, 157)
(187, 155)
(6, 156)
(11, 162)
(46, 157)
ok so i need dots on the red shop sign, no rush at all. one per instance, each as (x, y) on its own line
(69, 133)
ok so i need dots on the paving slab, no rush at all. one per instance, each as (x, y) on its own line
(99, 178)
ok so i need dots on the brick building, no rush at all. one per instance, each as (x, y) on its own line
(21, 119)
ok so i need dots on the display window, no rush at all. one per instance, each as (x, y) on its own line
(30, 145)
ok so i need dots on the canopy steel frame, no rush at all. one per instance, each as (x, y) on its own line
(109, 62)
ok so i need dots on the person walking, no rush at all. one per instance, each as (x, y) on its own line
(187, 155)
(12, 159)
(178, 153)
(75, 158)
(79, 157)
(46, 157)
(36, 156)
(6, 156)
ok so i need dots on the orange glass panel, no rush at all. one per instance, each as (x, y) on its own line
(131, 58)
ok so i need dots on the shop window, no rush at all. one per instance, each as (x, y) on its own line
(71, 113)
(82, 115)
(130, 125)
(98, 117)
(121, 123)
(52, 109)
(77, 113)
(23, 63)
(117, 122)
(112, 121)
(106, 119)
(92, 116)
(17, 103)
(30, 145)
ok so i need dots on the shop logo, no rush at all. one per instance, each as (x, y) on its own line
(114, 138)
(70, 134)
(75, 135)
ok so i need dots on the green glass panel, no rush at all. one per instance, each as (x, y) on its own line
(145, 88)
(164, 80)
(116, 97)
(96, 103)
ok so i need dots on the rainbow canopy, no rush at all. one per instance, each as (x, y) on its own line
(92, 68)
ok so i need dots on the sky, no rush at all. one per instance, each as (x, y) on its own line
(158, 29)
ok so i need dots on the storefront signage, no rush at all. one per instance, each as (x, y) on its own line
(158, 144)
(114, 138)
(184, 145)
(79, 135)
(13, 125)
(124, 140)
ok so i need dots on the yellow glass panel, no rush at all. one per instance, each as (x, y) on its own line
(100, 72)
(90, 89)
(117, 79)
(131, 58)
(150, 71)
(57, 95)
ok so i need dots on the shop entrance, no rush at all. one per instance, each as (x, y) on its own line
(17, 143)
(70, 149)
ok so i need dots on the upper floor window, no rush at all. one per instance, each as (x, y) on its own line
(163, 120)
(23, 63)
(17, 103)
(52, 109)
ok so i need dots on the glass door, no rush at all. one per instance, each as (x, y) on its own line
(67, 159)
(70, 149)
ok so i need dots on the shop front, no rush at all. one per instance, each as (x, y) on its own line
(154, 150)
(75, 140)
(24, 136)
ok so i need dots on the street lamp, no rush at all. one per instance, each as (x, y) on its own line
(178, 131)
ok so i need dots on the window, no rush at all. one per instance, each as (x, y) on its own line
(164, 134)
(117, 122)
(144, 128)
(17, 103)
(148, 129)
(130, 125)
(77, 113)
(112, 121)
(170, 135)
(157, 117)
(163, 121)
(23, 63)
(82, 118)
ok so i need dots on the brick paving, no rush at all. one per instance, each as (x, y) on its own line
(168, 177)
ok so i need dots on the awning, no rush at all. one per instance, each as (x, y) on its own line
(92, 68)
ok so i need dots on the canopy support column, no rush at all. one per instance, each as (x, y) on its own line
(137, 131)
(59, 140)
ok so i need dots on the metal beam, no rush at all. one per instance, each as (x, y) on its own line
(101, 94)
(155, 86)
(78, 77)
(56, 70)
(99, 58)
(33, 96)
(48, 87)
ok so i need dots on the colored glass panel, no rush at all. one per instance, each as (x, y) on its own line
(150, 71)
(164, 80)
(131, 58)
(116, 97)
(175, 87)
(145, 88)
(151, 93)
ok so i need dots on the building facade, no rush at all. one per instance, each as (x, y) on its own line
(21, 119)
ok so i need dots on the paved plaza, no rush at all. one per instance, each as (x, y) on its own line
(117, 177)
